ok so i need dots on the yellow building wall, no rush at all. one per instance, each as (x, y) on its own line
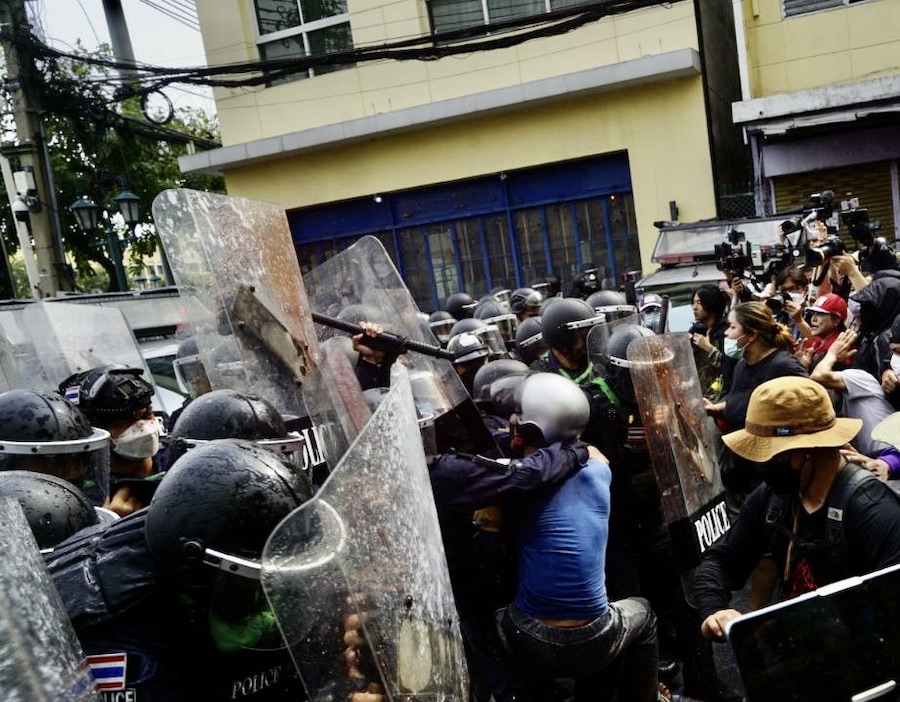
(383, 86)
(841, 45)
(661, 126)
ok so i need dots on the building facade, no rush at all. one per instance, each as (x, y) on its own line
(489, 168)
(821, 86)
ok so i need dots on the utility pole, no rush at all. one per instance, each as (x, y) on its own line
(55, 275)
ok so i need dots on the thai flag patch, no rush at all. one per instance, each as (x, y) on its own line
(73, 394)
(108, 670)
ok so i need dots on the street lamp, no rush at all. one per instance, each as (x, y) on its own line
(129, 206)
(87, 213)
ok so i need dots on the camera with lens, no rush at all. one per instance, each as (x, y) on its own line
(818, 255)
(698, 328)
(776, 302)
(730, 255)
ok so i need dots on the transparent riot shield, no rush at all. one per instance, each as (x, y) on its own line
(24, 369)
(70, 338)
(40, 657)
(681, 441)
(357, 576)
(363, 278)
(10, 375)
(235, 258)
(597, 338)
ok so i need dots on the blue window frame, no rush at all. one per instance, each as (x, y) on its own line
(478, 235)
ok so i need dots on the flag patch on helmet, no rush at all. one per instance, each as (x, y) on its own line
(72, 394)
(108, 670)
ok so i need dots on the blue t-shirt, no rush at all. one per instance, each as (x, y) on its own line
(562, 547)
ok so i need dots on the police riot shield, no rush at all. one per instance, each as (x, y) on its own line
(40, 657)
(10, 374)
(235, 258)
(362, 279)
(357, 576)
(70, 338)
(598, 335)
(681, 441)
(24, 368)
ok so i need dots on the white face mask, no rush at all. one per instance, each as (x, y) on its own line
(799, 298)
(139, 441)
(895, 364)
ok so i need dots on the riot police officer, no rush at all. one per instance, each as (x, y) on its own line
(43, 432)
(166, 602)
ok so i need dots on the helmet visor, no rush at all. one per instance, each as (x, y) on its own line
(493, 339)
(83, 462)
(240, 618)
(289, 448)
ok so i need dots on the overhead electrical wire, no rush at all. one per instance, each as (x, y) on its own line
(147, 78)
(91, 98)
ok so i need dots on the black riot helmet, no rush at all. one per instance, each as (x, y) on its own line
(611, 304)
(585, 283)
(470, 324)
(440, 323)
(487, 374)
(530, 344)
(229, 414)
(43, 432)
(616, 368)
(467, 347)
(494, 313)
(215, 509)
(54, 508)
(108, 393)
(564, 322)
(525, 301)
(460, 305)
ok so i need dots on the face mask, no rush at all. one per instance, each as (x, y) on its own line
(895, 364)
(799, 298)
(781, 478)
(731, 349)
(139, 441)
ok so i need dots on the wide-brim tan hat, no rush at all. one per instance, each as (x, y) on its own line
(789, 413)
(888, 430)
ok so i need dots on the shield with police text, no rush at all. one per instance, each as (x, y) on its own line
(357, 576)
(681, 440)
(236, 259)
(40, 657)
(361, 283)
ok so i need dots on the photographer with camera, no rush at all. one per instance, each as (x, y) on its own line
(789, 301)
(710, 307)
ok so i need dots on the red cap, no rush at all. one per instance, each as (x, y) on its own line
(830, 304)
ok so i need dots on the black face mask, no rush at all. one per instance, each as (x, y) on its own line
(781, 478)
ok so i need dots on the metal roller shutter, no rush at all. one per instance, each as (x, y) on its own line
(870, 182)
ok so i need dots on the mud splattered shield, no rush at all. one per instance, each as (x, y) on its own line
(357, 576)
(682, 442)
(40, 657)
(235, 259)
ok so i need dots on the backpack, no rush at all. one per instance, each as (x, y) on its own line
(847, 482)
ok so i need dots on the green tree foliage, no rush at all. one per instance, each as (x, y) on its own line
(100, 145)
